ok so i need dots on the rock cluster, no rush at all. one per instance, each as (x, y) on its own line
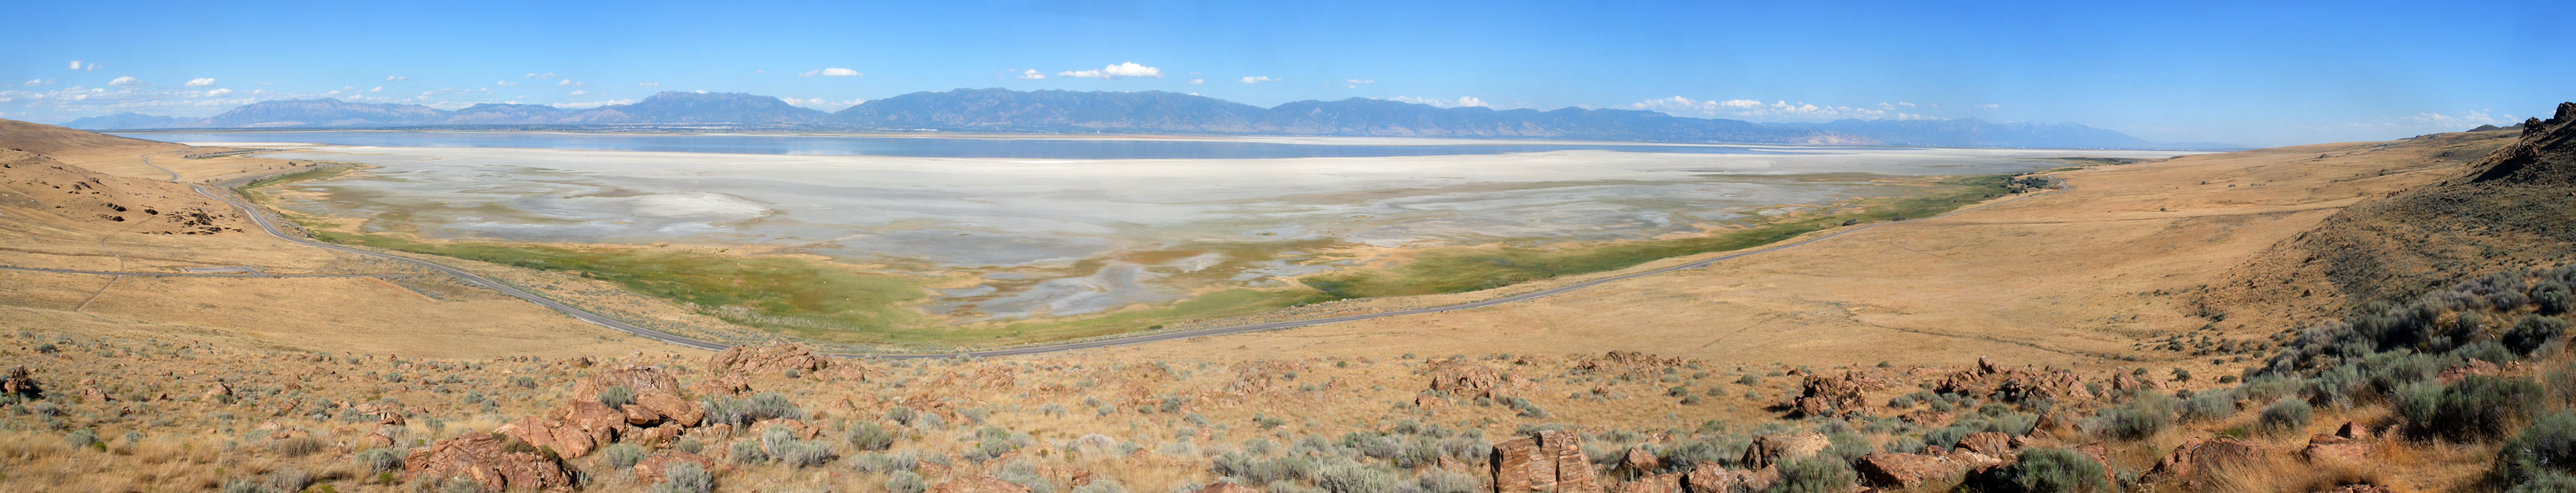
(1552, 461)
(19, 382)
(771, 359)
(486, 461)
(584, 424)
(1840, 396)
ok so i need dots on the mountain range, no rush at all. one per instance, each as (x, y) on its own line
(1055, 111)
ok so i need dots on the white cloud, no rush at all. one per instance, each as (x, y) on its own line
(832, 72)
(1198, 81)
(1989, 106)
(75, 64)
(648, 84)
(1356, 83)
(504, 83)
(1258, 79)
(1462, 101)
(39, 82)
(125, 81)
(591, 104)
(391, 78)
(570, 83)
(547, 75)
(1119, 71)
(92, 67)
(218, 92)
(1032, 74)
(579, 92)
(758, 71)
(201, 82)
(377, 89)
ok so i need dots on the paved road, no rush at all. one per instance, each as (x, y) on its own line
(266, 224)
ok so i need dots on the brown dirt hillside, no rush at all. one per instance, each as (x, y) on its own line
(56, 213)
(2099, 275)
(2513, 208)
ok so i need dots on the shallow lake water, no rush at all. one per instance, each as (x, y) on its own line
(1055, 235)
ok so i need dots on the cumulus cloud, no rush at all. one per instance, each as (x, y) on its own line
(1198, 81)
(1461, 102)
(1989, 106)
(570, 83)
(1356, 83)
(1032, 74)
(125, 81)
(75, 64)
(648, 84)
(547, 75)
(579, 92)
(218, 92)
(1777, 110)
(201, 82)
(1119, 71)
(391, 78)
(39, 82)
(832, 72)
(504, 83)
(377, 89)
(1258, 79)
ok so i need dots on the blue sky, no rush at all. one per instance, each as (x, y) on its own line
(2269, 74)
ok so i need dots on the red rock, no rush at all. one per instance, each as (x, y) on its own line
(1519, 467)
(1640, 461)
(1574, 472)
(2347, 451)
(636, 379)
(1989, 443)
(1707, 477)
(1885, 470)
(2353, 431)
(639, 415)
(480, 458)
(669, 405)
(2196, 462)
(724, 385)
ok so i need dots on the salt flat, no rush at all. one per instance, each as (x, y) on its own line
(1062, 236)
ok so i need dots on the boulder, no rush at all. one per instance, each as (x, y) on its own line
(652, 468)
(1707, 477)
(724, 385)
(640, 415)
(670, 406)
(1769, 450)
(482, 459)
(2354, 431)
(1640, 461)
(215, 392)
(978, 484)
(1989, 443)
(20, 382)
(1574, 472)
(1553, 461)
(2323, 449)
(1897, 471)
(767, 360)
(1837, 396)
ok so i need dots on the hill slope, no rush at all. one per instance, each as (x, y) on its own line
(2516, 207)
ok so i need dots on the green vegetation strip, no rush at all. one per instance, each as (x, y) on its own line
(1463, 269)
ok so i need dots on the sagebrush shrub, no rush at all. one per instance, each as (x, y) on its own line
(2548, 446)
(2475, 407)
(1815, 475)
(2044, 470)
(2286, 415)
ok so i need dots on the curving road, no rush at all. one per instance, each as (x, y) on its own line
(266, 224)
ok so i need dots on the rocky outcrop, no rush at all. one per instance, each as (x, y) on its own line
(1659, 483)
(572, 430)
(767, 360)
(1896, 471)
(1989, 443)
(1769, 450)
(1840, 396)
(485, 461)
(637, 380)
(22, 383)
(1467, 379)
(1553, 461)
(1707, 477)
